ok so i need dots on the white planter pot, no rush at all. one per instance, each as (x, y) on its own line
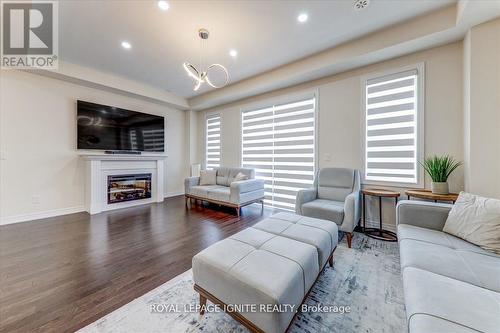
(440, 188)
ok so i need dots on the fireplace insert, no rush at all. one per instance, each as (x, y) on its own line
(129, 187)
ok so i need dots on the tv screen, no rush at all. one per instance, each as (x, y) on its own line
(108, 128)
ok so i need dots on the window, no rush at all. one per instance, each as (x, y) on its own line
(153, 140)
(393, 121)
(278, 141)
(212, 141)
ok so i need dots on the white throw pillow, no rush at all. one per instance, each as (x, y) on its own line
(208, 177)
(477, 220)
(240, 176)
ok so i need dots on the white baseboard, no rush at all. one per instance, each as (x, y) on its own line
(40, 215)
(56, 212)
(173, 194)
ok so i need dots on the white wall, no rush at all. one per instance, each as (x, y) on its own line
(38, 143)
(339, 132)
(482, 109)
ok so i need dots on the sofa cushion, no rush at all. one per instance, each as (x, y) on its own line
(239, 176)
(208, 177)
(477, 220)
(424, 323)
(471, 267)
(406, 231)
(458, 302)
(335, 183)
(321, 234)
(324, 209)
(253, 237)
(225, 176)
(220, 193)
(202, 190)
(303, 254)
(222, 176)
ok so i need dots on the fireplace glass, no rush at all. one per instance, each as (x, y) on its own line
(129, 187)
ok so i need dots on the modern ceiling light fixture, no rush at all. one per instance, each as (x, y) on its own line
(361, 4)
(126, 45)
(163, 5)
(200, 76)
(302, 18)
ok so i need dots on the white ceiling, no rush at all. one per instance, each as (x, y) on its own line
(265, 33)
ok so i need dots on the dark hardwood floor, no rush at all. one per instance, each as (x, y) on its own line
(60, 274)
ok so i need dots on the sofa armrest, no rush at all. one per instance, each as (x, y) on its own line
(245, 190)
(423, 214)
(248, 185)
(190, 182)
(352, 211)
(304, 196)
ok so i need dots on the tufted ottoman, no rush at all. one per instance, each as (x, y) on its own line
(270, 266)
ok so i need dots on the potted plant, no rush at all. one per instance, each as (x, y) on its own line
(439, 169)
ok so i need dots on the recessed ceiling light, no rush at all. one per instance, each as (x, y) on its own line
(302, 17)
(361, 4)
(126, 45)
(233, 53)
(163, 5)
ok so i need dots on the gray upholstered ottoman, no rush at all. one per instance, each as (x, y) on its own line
(275, 262)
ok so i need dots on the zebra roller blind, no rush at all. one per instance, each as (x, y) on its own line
(391, 128)
(212, 141)
(279, 143)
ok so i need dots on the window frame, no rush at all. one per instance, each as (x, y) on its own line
(207, 116)
(420, 132)
(285, 99)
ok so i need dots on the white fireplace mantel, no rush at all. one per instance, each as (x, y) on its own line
(100, 166)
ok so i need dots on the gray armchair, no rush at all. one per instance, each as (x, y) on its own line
(335, 196)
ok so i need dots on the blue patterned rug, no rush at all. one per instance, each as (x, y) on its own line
(365, 278)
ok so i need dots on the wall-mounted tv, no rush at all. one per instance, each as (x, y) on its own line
(105, 127)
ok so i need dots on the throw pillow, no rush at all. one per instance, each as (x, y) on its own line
(240, 176)
(477, 220)
(208, 177)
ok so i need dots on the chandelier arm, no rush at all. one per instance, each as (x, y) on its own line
(226, 81)
(192, 72)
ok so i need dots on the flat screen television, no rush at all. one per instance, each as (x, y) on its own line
(105, 127)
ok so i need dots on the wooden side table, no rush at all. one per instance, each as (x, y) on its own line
(379, 233)
(428, 195)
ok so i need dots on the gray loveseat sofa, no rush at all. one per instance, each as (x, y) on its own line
(335, 196)
(450, 285)
(226, 191)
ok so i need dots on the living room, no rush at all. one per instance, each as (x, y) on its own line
(163, 173)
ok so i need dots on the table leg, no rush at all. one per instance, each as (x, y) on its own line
(408, 197)
(380, 214)
(364, 213)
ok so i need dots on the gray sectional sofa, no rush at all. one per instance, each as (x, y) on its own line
(226, 191)
(450, 285)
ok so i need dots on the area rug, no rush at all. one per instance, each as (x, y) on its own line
(365, 278)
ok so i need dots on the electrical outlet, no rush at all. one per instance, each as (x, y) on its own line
(35, 199)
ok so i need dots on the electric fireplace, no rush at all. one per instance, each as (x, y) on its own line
(129, 187)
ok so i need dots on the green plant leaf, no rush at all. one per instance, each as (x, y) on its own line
(439, 168)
